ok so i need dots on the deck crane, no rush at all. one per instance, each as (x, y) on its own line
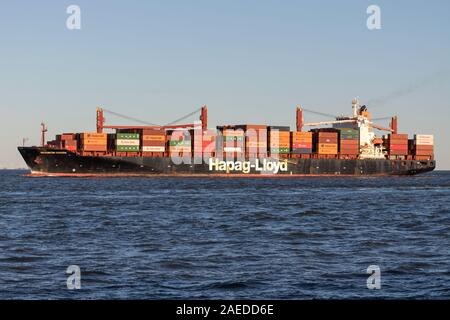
(146, 125)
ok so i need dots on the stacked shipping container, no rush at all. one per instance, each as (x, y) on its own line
(349, 141)
(302, 142)
(233, 142)
(326, 141)
(93, 141)
(153, 140)
(279, 139)
(66, 141)
(205, 143)
(249, 141)
(397, 144)
(255, 140)
(180, 143)
(127, 142)
(424, 147)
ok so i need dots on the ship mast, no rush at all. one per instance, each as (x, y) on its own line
(43, 131)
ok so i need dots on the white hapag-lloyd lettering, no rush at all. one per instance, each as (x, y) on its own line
(245, 166)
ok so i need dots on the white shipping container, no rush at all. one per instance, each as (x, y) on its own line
(424, 143)
(232, 149)
(127, 142)
(153, 149)
(424, 137)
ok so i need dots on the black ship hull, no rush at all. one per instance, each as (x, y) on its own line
(45, 161)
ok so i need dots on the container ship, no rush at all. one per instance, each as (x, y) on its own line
(345, 146)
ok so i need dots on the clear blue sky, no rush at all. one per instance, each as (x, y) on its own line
(249, 61)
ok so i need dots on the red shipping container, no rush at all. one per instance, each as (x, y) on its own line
(300, 145)
(147, 143)
(398, 152)
(398, 141)
(398, 136)
(424, 148)
(398, 147)
(69, 143)
(71, 148)
(100, 148)
(424, 158)
(149, 132)
(349, 143)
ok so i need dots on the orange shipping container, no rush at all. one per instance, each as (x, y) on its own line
(330, 152)
(424, 158)
(89, 135)
(93, 142)
(327, 148)
(280, 135)
(100, 148)
(154, 138)
(301, 134)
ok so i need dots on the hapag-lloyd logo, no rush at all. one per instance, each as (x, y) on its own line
(235, 152)
(261, 166)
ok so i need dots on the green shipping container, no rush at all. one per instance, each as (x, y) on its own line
(180, 143)
(280, 150)
(349, 130)
(232, 139)
(349, 137)
(127, 136)
(349, 134)
(127, 148)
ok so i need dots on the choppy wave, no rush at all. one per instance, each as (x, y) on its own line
(146, 238)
